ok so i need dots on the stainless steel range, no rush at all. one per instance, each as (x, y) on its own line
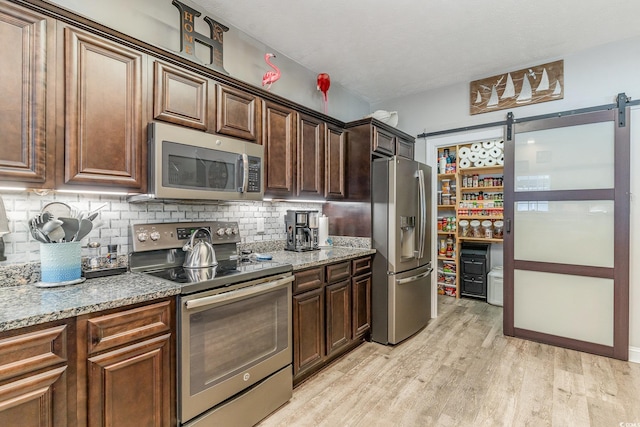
(234, 323)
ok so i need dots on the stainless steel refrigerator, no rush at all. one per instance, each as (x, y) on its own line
(401, 214)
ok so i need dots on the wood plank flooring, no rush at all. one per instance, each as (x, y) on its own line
(461, 371)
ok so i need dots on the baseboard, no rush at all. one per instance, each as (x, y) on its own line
(634, 354)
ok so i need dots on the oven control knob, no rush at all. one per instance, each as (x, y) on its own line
(154, 235)
(220, 231)
(228, 231)
(234, 230)
(143, 236)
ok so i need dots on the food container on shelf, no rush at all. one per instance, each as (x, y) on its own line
(439, 197)
(446, 186)
(475, 228)
(487, 229)
(464, 228)
(498, 229)
(440, 223)
(446, 199)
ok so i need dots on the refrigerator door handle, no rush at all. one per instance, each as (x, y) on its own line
(423, 213)
(414, 278)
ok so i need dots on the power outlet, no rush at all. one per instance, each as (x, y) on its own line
(260, 225)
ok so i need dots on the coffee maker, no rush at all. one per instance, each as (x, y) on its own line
(302, 230)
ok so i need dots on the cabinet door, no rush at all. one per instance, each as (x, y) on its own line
(338, 316)
(383, 142)
(27, 75)
(181, 97)
(361, 312)
(335, 163)
(308, 330)
(279, 139)
(104, 123)
(310, 165)
(238, 114)
(131, 386)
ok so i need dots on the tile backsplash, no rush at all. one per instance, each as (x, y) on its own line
(116, 217)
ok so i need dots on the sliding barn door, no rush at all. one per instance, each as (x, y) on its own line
(567, 245)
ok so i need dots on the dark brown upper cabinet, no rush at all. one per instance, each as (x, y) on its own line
(310, 165)
(335, 163)
(279, 140)
(181, 97)
(27, 88)
(105, 113)
(238, 114)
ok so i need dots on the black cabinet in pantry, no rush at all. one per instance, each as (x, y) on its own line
(475, 263)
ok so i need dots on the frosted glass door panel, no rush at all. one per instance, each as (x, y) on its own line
(568, 158)
(574, 307)
(571, 232)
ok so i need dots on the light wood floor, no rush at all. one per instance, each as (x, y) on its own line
(461, 371)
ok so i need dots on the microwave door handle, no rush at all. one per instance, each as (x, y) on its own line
(245, 173)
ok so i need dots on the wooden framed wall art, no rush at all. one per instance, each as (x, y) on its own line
(531, 85)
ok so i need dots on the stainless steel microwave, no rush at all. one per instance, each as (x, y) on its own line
(186, 164)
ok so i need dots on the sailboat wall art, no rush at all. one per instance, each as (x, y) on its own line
(527, 86)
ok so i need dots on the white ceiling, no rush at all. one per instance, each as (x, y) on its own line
(382, 50)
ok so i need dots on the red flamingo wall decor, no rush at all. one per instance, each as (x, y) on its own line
(270, 77)
(323, 85)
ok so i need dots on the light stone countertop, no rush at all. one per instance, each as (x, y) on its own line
(24, 304)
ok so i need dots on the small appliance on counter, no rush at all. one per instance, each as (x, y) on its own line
(302, 230)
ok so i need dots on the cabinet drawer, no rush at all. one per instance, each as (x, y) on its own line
(340, 271)
(361, 266)
(32, 351)
(124, 327)
(308, 280)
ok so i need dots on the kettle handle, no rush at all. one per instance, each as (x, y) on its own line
(189, 245)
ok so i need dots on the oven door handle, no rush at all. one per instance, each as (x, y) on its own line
(249, 290)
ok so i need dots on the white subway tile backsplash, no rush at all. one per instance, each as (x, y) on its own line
(118, 215)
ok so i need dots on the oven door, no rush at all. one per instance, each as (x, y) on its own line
(232, 339)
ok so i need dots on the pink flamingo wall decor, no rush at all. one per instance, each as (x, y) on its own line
(323, 85)
(270, 77)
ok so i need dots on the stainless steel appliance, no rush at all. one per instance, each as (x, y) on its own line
(302, 230)
(186, 164)
(234, 324)
(401, 287)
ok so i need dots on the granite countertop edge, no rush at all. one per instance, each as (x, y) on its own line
(27, 305)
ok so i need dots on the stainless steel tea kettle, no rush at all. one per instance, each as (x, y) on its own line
(200, 255)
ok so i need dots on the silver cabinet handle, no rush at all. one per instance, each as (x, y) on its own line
(226, 296)
(414, 278)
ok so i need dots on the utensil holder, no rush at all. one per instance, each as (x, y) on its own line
(60, 262)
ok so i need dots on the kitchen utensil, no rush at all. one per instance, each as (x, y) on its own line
(57, 209)
(70, 227)
(85, 228)
(200, 254)
(48, 226)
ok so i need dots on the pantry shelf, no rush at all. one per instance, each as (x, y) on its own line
(479, 239)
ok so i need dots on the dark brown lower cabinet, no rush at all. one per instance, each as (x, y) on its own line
(361, 288)
(130, 386)
(114, 368)
(331, 313)
(338, 298)
(35, 376)
(308, 330)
